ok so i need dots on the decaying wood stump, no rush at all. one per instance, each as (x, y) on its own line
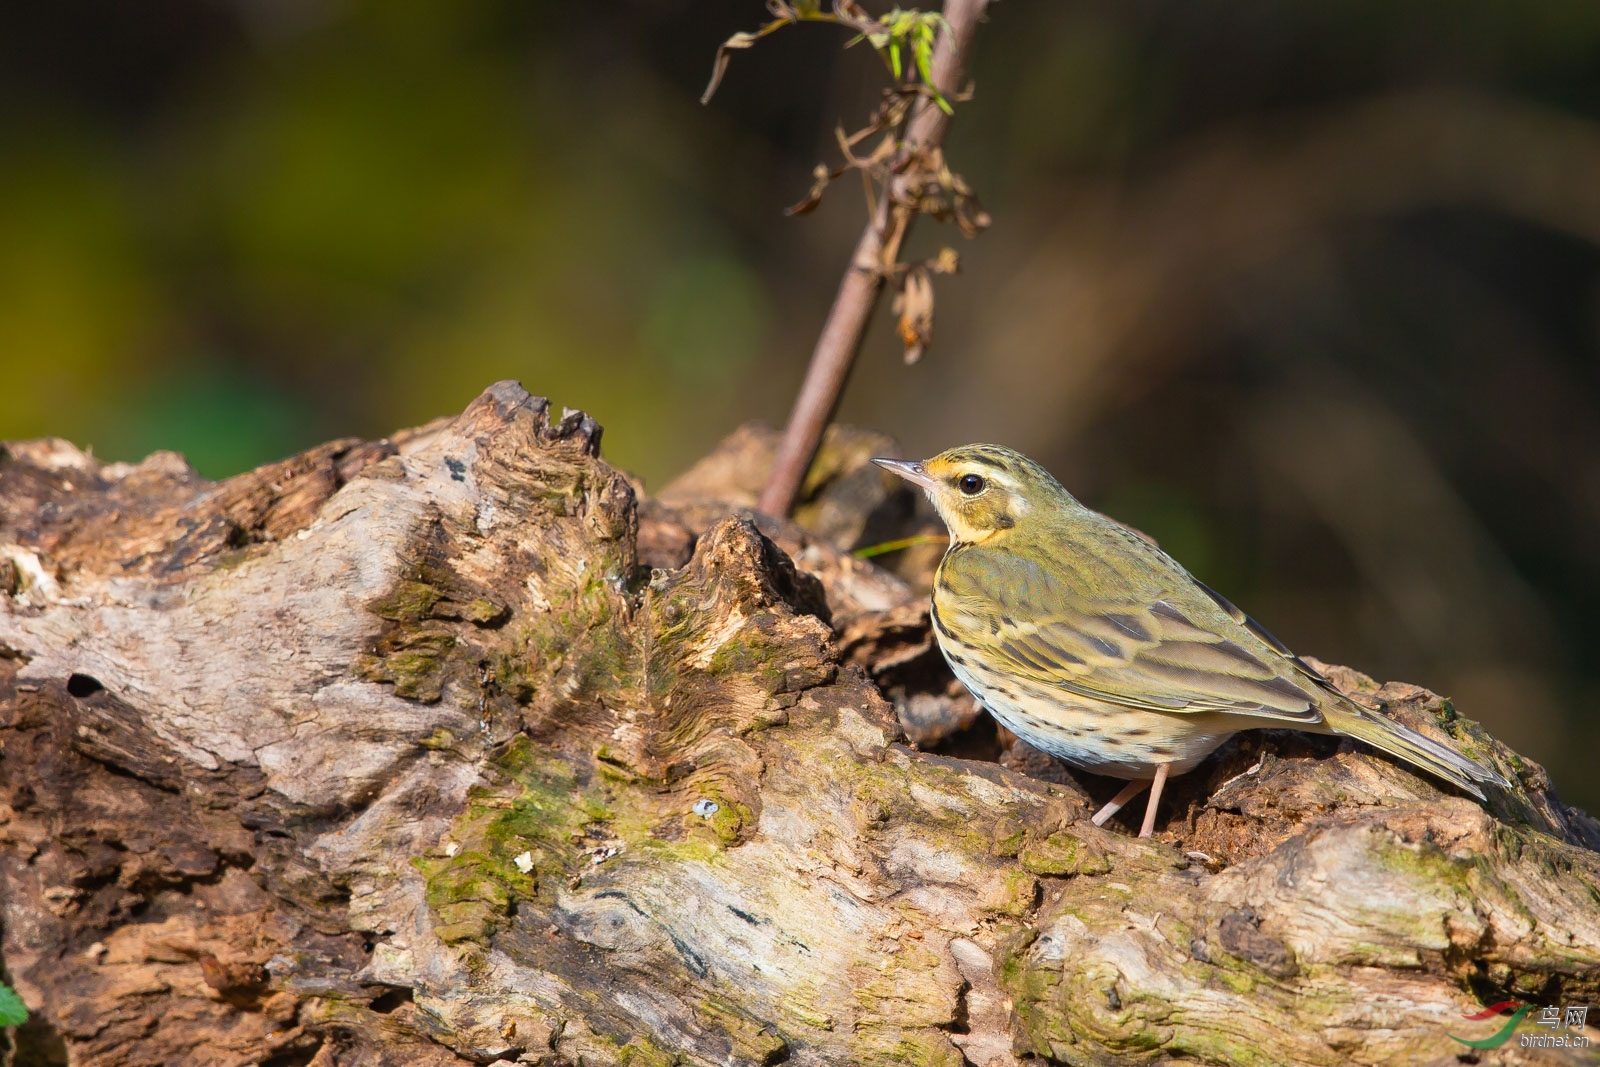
(452, 748)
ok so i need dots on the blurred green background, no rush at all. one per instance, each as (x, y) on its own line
(1311, 292)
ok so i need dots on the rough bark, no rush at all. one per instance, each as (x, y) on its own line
(453, 748)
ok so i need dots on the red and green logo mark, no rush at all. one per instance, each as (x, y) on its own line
(1501, 1036)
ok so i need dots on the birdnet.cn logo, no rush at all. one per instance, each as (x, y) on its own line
(1562, 1022)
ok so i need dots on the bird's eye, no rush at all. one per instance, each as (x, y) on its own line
(971, 484)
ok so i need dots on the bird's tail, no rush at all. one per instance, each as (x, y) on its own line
(1402, 742)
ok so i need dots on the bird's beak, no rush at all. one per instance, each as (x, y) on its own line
(910, 470)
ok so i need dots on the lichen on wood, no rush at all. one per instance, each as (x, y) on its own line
(456, 748)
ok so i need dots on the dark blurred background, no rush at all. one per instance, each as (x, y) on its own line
(1310, 292)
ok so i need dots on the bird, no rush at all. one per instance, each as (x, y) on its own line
(1085, 639)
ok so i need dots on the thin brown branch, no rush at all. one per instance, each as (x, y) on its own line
(840, 340)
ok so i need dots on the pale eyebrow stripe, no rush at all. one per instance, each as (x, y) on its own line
(1007, 479)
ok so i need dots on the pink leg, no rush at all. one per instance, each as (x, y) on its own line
(1155, 800)
(1129, 791)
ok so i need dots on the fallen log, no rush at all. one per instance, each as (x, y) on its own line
(454, 747)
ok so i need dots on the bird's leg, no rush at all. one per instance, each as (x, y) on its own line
(1129, 791)
(1155, 799)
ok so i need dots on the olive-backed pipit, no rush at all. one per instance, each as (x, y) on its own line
(1089, 642)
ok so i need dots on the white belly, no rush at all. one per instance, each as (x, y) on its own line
(1094, 735)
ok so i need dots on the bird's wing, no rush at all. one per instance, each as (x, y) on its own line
(1179, 649)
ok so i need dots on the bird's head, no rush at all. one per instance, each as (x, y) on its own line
(981, 491)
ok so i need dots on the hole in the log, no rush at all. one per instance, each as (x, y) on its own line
(388, 1001)
(978, 741)
(83, 685)
(38, 1045)
(297, 1055)
(960, 1021)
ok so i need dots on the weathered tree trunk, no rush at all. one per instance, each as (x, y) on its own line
(449, 748)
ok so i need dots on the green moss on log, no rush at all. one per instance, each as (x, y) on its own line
(1062, 853)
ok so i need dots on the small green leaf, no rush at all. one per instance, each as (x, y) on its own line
(894, 59)
(12, 1011)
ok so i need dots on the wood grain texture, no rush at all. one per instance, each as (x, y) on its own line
(449, 748)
